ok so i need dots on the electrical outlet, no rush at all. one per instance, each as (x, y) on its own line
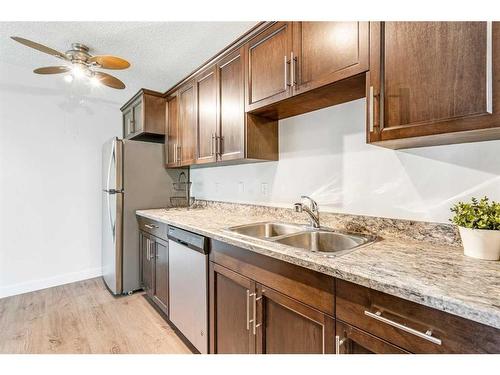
(263, 189)
(241, 187)
(217, 187)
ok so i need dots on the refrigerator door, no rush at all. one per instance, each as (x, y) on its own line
(112, 215)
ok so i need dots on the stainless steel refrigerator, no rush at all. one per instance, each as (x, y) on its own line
(133, 177)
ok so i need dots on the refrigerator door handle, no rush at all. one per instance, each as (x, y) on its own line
(112, 157)
(110, 216)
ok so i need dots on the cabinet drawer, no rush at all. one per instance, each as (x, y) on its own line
(405, 323)
(153, 227)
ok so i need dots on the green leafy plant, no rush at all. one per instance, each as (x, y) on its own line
(481, 214)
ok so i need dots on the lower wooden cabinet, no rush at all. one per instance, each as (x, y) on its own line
(248, 317)
(154, 269)
(147, 263)
(264, 305)
(229, 298)
(283, 325)
(351, 340)
(409, 325)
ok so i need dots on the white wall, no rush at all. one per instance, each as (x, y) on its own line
(50, 172)
(323, 154)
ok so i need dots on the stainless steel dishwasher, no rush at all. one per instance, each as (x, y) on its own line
(188, 275)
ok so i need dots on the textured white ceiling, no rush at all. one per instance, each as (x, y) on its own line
(160, 53)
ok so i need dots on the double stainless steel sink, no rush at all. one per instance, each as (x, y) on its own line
(322, 240)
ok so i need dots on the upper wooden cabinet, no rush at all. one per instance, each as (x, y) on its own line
(172, 138)
(207, 116)
(291, 58)
(187, 124)
(326, 52)
(224, 132)
(432, 83)
(230, 74)
(268, 66)
(144, 117)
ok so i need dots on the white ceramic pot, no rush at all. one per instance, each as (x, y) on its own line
(481, 243)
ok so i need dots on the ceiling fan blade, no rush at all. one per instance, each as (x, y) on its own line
(52, 70)
(109, 80)
(40, 47)
(110, 62)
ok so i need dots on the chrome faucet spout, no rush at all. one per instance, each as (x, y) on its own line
(312, 212)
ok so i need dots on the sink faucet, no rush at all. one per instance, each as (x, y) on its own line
(313, 212)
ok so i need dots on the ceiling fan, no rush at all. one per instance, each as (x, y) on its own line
(81, 64)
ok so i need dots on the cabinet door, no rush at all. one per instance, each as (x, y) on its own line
(147, 262)
(207, 116)
(286, 326)
(326, 52)
(429, 78)
(138, 117)
(172, 139)
(350, 340)
(160, 290)
(232, 106)
(187, 124)
(230, 305)
(268, 66)
(128, 122)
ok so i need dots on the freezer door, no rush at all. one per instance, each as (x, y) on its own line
(112, 167)
(112, 215)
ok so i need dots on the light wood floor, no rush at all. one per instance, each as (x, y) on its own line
(83, 317)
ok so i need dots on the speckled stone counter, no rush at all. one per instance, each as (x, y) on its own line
(420, 262)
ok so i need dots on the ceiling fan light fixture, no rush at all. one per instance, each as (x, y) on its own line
(81, 64)
(79, 71)
(94, 81)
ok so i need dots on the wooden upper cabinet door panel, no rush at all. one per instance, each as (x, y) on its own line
(187, 124)
(172, 131)
(433, 71)
(286, 326)
(430, 79)
(326, 52)
(207, 116)
(268, 66)
(232, 106)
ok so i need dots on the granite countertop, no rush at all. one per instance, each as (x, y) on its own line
(411, 261)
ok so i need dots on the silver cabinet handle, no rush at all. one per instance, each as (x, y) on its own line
(147, 249)
(370, 107)
(219, 144)
(151, 226)
(212, 145)
(338, 343)
(426, 336)
(254, 320)
(179, 157)
(248, 310)
(293, 62)
(175, 153)
(489, 67)
(286, 74)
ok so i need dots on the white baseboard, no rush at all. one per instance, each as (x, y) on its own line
(30, 286)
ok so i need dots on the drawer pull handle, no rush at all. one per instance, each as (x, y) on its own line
(426, 336)
(151, 226)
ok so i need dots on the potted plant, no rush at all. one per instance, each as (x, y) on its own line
(479, 226)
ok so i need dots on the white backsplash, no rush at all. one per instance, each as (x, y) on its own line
(323, 154)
